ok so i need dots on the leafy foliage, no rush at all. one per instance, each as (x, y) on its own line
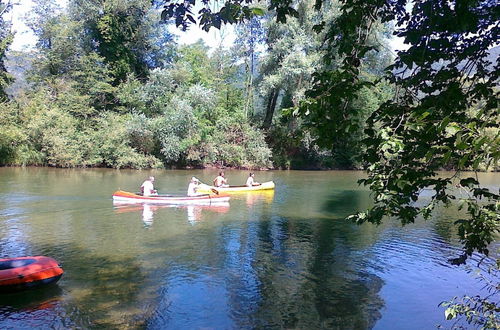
(445, 100)
(430, 125)
(479, 311)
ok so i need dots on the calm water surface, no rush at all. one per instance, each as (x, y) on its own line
(271, 260)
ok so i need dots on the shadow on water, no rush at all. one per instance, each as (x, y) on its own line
(343, 203)
(44, 297)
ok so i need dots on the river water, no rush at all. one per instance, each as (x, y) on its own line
(286, 259)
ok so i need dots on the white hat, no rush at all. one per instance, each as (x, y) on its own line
(194, 179)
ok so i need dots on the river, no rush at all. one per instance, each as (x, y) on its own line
(278, 260)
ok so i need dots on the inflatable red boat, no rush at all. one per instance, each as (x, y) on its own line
(27, 272)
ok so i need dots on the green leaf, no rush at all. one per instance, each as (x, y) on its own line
(257, 11)
(450, 313)
(468, 182)
(452, 129)
(462, 161)
(424, 115)
(446, 157)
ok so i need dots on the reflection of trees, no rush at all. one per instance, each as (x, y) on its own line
(273, 272)
(309, 279)
(266, 271)
(444, 223)
(342, 203)
(339, 274)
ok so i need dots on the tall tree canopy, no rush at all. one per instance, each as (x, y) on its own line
(128, 35)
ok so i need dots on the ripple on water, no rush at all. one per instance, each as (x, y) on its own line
(421, 249)
(36, 309)
(12, 211)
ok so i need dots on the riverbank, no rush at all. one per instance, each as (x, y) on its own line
(216, 167)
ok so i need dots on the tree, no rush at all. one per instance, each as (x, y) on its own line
(249, 35)
(6, 38)
(446, 99)
(195, 58)
(128, 35)
(293, 54)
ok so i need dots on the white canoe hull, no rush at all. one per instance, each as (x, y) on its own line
(126, 197)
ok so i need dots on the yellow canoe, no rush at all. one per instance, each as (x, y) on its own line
(203, 188)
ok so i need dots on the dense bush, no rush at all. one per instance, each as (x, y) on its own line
(11, 135)
(112, 140)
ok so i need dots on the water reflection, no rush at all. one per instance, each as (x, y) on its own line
(266, 197)
(46, 297)
(32, 309)
(341, 203)
(195, 213)
(147, 214)
(147, 211)
(275, 273)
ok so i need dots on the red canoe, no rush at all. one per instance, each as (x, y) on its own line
(27, 272)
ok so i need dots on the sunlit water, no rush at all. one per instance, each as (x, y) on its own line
(264, 260)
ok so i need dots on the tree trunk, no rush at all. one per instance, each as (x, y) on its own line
(271, 105)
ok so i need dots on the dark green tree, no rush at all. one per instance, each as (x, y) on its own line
(446, 99)
(128, 35)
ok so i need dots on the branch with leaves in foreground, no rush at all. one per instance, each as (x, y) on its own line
(444, 115)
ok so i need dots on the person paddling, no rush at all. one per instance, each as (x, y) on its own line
(220, 181)
(193, 187)
(147, 187)
(251, 182)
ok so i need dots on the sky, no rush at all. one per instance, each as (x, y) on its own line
(24, 38)
(213, 38)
